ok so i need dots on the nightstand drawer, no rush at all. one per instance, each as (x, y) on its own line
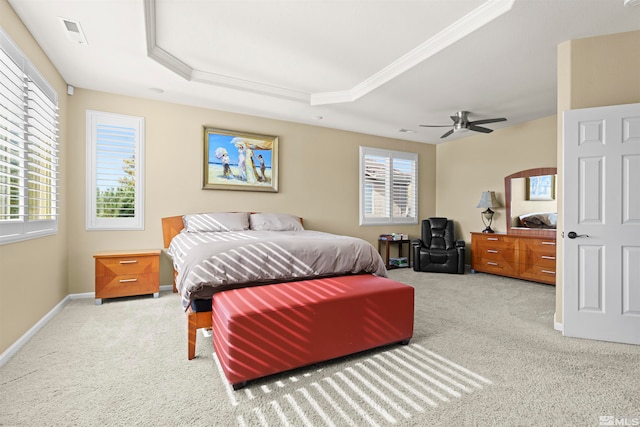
(127, 265)
(126, 285)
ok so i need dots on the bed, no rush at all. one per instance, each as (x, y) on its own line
(218, 251)
(547, 220)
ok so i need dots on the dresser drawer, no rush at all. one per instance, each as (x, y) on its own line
(538, 273)
(495, 266)
(506, 254)
(541, 246)
(493, 241)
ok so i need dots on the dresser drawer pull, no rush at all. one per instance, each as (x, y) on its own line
(548, 243)
(132, 261)
(548, 257)
(492, 251)
(492, 263)
(128, 280)
(492, 238)
(548, 272)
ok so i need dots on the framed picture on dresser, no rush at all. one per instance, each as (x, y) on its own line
(542, 187)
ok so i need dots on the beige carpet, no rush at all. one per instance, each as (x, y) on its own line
(484, 353)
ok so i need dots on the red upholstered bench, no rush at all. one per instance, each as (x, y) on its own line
(259, 331)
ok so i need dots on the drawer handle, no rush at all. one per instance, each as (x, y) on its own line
(548, 243)
(548, 257)
(128, 280)
(492, 251)
(492, 238)
(133, 261)
(548, 272)
(492, 263)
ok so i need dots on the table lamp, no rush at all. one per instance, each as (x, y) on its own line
(488, 201)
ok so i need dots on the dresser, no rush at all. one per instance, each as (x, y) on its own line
(127, 273)
(523, 257)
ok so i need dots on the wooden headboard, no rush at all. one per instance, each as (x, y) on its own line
(172, 225)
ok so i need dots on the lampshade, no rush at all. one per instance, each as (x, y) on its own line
(488, 200)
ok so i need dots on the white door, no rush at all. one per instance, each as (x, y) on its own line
(601, 216)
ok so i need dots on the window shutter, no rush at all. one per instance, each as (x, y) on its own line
(28, 148)
(377, 186)
(114, 171)
(388, 187)
(42, 143)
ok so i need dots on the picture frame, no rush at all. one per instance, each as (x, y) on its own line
(541, 187)
(239, 161)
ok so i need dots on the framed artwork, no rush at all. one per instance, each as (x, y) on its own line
(240, 161)
(541, 187)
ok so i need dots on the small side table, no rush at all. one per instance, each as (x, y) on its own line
(127, 273)
(387, 244)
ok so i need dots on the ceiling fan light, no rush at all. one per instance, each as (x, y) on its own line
(630, 3)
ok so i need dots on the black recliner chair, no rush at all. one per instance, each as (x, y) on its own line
(438, 251)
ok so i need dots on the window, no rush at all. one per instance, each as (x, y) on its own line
(28, 148)
(388, 187)
(115, 174)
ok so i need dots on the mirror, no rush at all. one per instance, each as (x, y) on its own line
(530, 199)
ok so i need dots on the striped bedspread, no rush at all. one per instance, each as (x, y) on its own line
(208, 262)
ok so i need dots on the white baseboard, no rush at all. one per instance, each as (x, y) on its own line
(81, 296)
(557, 326)
(13, 349)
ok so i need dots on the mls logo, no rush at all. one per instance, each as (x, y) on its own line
(610, 420)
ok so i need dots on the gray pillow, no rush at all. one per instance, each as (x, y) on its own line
(275, 222)
(216, 221)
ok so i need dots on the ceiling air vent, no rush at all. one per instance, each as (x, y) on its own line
(73, 30)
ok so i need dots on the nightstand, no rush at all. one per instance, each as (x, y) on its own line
(389, 242)
(127, 273)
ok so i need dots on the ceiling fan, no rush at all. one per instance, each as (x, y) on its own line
(461, 123)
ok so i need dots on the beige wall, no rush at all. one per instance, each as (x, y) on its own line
(469, 166)
(318, 176)
(594, 72)
(34, 270)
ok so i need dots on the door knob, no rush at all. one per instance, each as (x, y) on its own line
(573, 235)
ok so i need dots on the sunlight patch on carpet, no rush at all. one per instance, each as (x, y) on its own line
(378, 389)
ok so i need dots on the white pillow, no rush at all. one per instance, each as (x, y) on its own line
(275, 222)
(216, 221)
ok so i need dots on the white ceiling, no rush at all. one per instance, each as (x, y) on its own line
(367, 66)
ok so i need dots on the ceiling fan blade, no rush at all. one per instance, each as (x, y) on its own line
(435, 126)
(447, 134)
(485, 121)
(480, 129)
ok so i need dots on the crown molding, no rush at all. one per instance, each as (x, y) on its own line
(248, 85)
(466, 25)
